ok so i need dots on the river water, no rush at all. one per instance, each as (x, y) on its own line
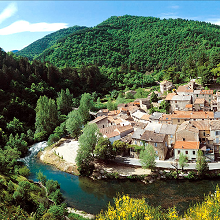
(92, 196)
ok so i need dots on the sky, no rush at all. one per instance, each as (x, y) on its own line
(23, 22)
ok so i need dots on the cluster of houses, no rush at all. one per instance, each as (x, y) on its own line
(193, 123)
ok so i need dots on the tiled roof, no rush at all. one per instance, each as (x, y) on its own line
(124, 128)
(153, 127)
(201, 125)
(153, 137)
(112, 134)
(199, 101)
(193, 115)
(170, 96)
(165, 82)
(108, 130)
(166, 117)
(100, 118)
(189, 106)
(215, 125)
(191, 145)
(186, 125)
(184, 89)
(156, 116)
(145, 117)
(138, 133)
(168, 129)
(181, 98)
(209, 92)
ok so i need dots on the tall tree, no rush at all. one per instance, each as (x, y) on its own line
(147, 157)
(201, 164)
(87, 143)
(74, 123)
(183, 160)
(64, 101)
(46, 117)
(85, 106)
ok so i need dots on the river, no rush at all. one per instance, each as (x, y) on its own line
(91, 196)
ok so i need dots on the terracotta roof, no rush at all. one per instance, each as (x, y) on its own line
(193, 115)
(187, 145)
(170, 96)
(168, 129)
(152, 137)
(209, 92)
(145, 117)
(112, 134)
(100, 118)
(105, 110)
(108, 130)
(166, 117)
(115, 112)
(189, 106)
(199, 101)
(201, 125)
(124, 128)
(184, 89)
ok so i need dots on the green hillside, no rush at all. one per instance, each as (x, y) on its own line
(143, 43)
(49, 40)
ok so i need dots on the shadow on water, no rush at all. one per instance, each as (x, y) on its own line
(92, 196)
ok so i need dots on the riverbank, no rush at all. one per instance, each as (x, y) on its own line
(62, 155)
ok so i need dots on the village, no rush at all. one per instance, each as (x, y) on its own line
(193, 123)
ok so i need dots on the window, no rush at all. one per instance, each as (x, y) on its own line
(184, 139)
(217, 133)
(194, 152)
(186, 151)
(175, 101)
(197, 95)
(166, 144)
(209, 95)
(210, 100)
(155, 144)
(203, 133)
(178, 151)
(171, 136)
(103, 126)
(178, 120)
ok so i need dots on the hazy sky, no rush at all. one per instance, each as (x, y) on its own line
(23, 22)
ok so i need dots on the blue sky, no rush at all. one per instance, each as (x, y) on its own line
(23, 22)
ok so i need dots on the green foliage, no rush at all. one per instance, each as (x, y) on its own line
(87, 143)
(183, 160)
(201, 164)
(64, 101)
(147, 157)
(24, 171)
(15, 126)
(42, 178)
(85, 106)
(119, 146)
(74, 123)
(58, 212)
(153, 97)
(104, 149)
(52, 186)
(46, 115)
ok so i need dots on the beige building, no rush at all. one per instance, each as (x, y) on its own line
(165, 86)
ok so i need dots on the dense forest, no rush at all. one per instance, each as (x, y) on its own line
(49, 40)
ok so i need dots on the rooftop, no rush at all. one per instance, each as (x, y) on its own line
(184, 89)
(170, 96)
(153, 137)
(199, 101)
(168, 129)
(191, 145)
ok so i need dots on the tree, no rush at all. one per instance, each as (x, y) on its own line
(74, 123)
(64, 101)
(201, 164)
(104, 149)
(147, 157)
(15, 126)
(46, 116)
(153, 97)
(87, 143)
(119, 146)
(183, 160)
(85, 106)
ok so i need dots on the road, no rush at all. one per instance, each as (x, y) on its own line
(163, 164)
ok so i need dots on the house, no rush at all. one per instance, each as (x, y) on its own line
(102, 112)
(155, 127)
(199, 104)
(203, 94)
(138, 114)
(165, 86)
(185, 90)
(155, 117)
(145, 118)
(188, 148)
(187, 132)
(102, 121)
(179, 102)
(215, 134)
(144, 103)
(116, 132)
(159, 141)
(170, 131)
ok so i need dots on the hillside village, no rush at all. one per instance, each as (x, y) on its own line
(193, 123)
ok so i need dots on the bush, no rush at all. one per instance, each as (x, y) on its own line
(24, 171)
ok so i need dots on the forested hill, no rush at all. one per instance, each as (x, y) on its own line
(49, 40)
(146, 43)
